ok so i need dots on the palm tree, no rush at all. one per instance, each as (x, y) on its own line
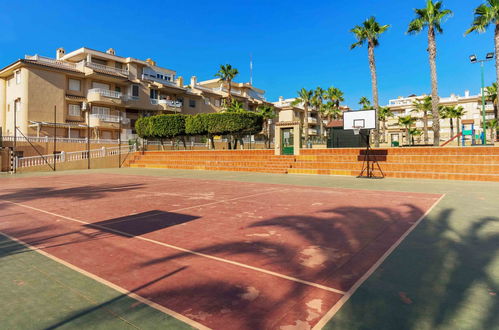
(414, 132)
(226, 74)
(268, 113)
(305, 98)
(431, 17)
(236, 106)
(331, 111)
(424, 106)
(407, 122)
(493, 125)
(365, 103)
(335, 95)
(491, 92)
(383, 114)
(317, 101)
(369, 32)
(485, 15)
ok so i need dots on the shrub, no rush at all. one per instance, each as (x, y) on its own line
(167, 126)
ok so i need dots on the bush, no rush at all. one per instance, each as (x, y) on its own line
(167, 126)
(196, 125)
(143, 127)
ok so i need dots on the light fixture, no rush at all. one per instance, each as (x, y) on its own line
(489, 56)
(473, 58)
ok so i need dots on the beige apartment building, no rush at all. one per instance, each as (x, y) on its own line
(101, 92)
(403, 106)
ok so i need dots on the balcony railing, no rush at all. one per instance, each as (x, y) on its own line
(161, 81)
(49, 60)
(110, 118)
(174, 104)
(232, 91)
(102, 67)
(106, 93)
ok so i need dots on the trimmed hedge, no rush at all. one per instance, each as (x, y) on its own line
(171, 126)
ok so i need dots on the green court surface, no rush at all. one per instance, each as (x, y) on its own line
(444, 275)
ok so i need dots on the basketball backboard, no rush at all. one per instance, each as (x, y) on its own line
(362, 119)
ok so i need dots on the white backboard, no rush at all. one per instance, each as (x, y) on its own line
(366, 119)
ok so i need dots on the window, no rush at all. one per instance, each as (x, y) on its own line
(101, 111)
(74, 110)
(100, 85)
(118, 65)
(192, 103)
(135, 90)
(153, 94)
(117, 89)
(18, 77)
(74, 85)
(217, 102)
(99, 61)
(207, 101)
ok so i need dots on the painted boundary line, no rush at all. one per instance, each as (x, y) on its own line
(135, 296)
(235, 263)
(329, 315)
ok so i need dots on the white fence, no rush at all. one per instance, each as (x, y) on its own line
(59, 139)
(72, 156)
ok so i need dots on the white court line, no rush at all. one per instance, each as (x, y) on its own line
(235, 263)
(329, 315)
(113, 286)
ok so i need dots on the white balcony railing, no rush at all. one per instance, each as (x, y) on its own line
(60, 139)
(106, 93)
(109, 118)
(161, 81)
(232, 91)
(174, 104)
(312, 120)
(49, 60)
(102, 67)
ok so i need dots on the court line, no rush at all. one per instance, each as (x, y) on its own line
(135, 296)
(235, 263)
(336, 307)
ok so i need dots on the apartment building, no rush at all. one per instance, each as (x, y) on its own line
(403, 106)
(296, 112)
(102, 92)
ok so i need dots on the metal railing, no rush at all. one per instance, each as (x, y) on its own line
(175, 104)
(72, 156)
(161, 81)
(106, 93)
(109, 118)
(103, 67)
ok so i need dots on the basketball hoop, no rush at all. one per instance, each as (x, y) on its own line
(356, 130)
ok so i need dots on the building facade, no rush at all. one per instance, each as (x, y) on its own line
(89, 92)
(403, 106)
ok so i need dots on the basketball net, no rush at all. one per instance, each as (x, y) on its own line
(356, 130)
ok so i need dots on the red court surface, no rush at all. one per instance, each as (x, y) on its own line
(225, 255)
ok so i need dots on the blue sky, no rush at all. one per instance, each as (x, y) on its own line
(294, 44)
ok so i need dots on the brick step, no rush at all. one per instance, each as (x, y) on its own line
(448, 159)
(214, 168)
(215, 163)
(409, 151)
(412, 175)
(219, 158)
(414, 167)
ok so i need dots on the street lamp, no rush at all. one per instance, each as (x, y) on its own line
(474, 59)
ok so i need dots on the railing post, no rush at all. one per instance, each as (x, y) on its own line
(63, 156)
(103, 151)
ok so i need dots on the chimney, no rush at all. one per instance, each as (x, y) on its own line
(180, 81)
(59, 53)
(466, 93)
(194, 81)
(151, 62)
(110, 51)
(281, 99)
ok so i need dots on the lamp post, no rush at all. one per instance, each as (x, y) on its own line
(474, 59)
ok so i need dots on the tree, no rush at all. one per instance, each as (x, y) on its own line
(227, 73)
(268, 113)
(485, 15)
(365, 103)
(491, 92)
(335, 95)
(369, 32)
(235, 107)
(317, 101)
(414, 132)
(383, 114)
(331, 111)
(424, 106)
(493, 125)
(305, 98)
(407, 122)
(431, 18)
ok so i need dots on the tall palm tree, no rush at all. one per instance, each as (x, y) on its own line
(227, 73)
(335, 95)
(407, 122)
(365, 103)
(425, 107)
(383, 114)
(431, 17)
(458, 113)
(268, 113)
(331, 111)
(369, 32)
(318, 99)
(491, 92)
(452, 112)
(305, 98)
(493, 125)
(486, 14)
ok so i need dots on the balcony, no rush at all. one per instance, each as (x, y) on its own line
(312, 120)
(106, 69)
(168, 104)
(232, 91)
(99, 95)
(51, 61)
(158, 80)
(107, 121)
(312, 131)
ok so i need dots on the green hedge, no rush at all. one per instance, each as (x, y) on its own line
(171, 126)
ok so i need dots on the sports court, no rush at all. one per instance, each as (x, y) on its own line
(214, 253)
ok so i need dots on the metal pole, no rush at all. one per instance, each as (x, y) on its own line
(119, 142)
(15, 137)
(88, 138)
(484, 137)
(55, 132)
